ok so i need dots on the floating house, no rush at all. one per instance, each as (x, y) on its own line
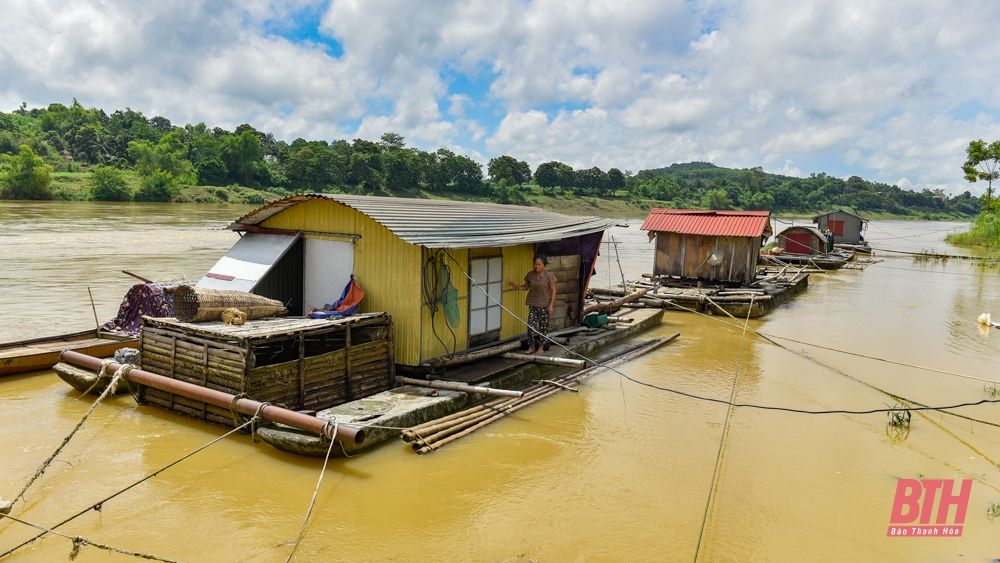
(802, 240)
(847, 227)
(713, 246)
(414, 259)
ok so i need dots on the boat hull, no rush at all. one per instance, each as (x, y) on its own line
(43, 353)
(86, 381)
(824, 261)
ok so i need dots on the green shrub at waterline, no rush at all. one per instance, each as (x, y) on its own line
(108, 183)
(985, 231)
(24, 176)
(159, 186)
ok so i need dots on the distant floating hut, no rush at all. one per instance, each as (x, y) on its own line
(847, 227)
(802, 240)
(409, 256)
(713, 246)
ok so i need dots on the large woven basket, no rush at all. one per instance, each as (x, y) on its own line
(198, 304)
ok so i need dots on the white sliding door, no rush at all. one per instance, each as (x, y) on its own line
(328, 267)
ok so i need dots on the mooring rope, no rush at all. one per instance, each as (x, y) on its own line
(815, 361)
(312, 503)
(79, 542)
(767, 336)
(722, 441)
(109, 390)
(100, 504)
(936, 255)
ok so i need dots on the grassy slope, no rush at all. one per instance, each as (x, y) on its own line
(76, 186)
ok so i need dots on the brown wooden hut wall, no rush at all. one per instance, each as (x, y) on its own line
(567, 272)
(687, 256)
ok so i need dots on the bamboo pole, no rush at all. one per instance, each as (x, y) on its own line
(468, 357)
(137, 276)
(550, 360)
(616, 303)
(454, 386)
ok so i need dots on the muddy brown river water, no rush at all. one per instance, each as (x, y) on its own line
(617, 472)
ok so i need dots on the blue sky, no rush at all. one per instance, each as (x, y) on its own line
(889, 92)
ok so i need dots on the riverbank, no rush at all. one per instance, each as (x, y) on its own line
(75, 186)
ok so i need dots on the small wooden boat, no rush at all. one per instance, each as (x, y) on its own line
(86, 381)
(824, 261)
(43, 353)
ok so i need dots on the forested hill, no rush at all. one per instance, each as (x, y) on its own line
(73, 152)
(719, 188)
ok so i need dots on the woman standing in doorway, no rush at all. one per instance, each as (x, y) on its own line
(541, 301)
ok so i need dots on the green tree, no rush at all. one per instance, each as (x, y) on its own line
(242, 155)
(169, 154)
(717, 199)
(504, 193)
(567, 176)
(392, 142)
(616, 180)
(983, 163)
(212, 171)
(508, 168)
(159, 186)
(464, 174)
(547, 174)
(762, 201)
(107, 183)
(25, 176)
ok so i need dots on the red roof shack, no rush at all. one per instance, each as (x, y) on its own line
(714, 246)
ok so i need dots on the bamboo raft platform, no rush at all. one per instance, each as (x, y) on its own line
(432, 435)
(860, 263)
(770, 289)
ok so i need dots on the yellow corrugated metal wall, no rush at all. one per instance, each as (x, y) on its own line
(430, 345)
(387, 268)
(390, 271)
(517, 261)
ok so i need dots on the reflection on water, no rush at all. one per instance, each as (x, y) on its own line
(617, 472)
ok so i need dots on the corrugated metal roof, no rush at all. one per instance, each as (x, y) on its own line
(845, 212)
(450, 224)
(710, 223)
(806, 228)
